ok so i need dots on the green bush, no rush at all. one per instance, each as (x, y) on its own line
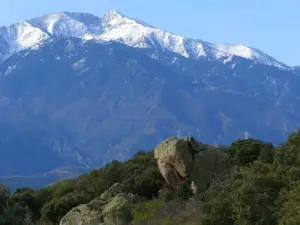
(247, 151)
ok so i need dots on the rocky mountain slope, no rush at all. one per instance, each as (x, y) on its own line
(77, 90)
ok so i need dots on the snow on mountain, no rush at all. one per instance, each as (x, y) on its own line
(114, 26)
(19, 37)
(66, 24)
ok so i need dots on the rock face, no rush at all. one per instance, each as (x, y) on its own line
(113, 207)
(185, 159)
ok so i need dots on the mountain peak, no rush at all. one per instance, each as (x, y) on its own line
(113, 13)
(111, 18)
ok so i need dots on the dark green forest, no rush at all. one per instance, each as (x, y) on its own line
(263, 188)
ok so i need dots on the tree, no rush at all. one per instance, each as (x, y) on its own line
(15, 214)
(29, 198)
(289, 213)
(244, 152)
(4, 196)
(53, 211)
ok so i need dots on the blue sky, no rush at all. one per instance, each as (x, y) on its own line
(269, 25)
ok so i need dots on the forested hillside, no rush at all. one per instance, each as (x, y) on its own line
(263, 187)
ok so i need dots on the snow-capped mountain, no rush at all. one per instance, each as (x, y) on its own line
(114, 26)
(84, 90)
(92, 102)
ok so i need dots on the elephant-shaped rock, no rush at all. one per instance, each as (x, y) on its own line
(185, 159)
(175, 158)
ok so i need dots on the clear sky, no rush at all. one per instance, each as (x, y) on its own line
(269, 25)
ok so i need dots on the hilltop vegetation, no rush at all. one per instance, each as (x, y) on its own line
(262, 188)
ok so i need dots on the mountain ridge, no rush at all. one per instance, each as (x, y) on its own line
(118, 27)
